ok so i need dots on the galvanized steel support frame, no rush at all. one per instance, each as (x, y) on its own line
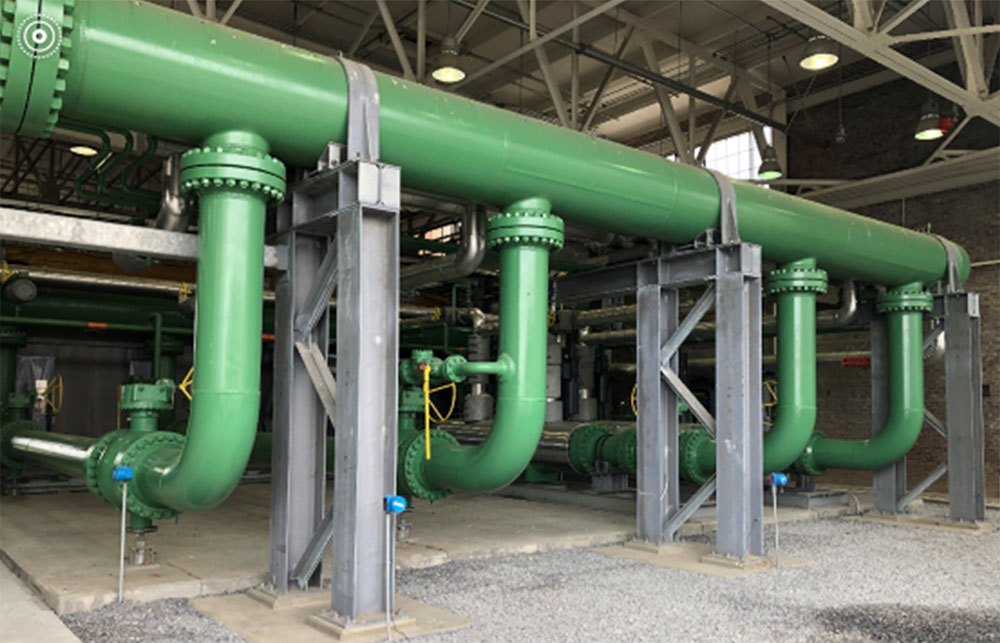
(734, 277)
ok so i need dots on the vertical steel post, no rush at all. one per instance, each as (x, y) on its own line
(367, 376)
(658, 470)
(888, 483)
(739, 454)
(298, 452)
(964, 392)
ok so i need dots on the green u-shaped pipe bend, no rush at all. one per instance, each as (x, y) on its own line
(523, 234)
(795, 285)
(903, 308)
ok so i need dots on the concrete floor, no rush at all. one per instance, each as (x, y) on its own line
(65, 545)
(24, 617)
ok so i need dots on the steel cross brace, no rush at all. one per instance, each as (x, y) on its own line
(732, 273)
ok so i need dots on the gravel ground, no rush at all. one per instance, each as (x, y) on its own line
(167, 621)
(866, 582)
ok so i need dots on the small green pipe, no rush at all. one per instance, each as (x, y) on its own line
(151, 144)
(525, 234)
(100, 165)
(93, 325)
(157, 343)
(903, 308)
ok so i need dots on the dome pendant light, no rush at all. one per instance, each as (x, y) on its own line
(929, 126)
(448, 67)
(820, 53)
(769, 168)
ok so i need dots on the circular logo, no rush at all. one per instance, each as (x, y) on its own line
(39, 36)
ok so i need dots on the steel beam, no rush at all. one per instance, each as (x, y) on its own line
(503, 60)
(964, 393)
(967, 46)
(366, 26)
(545, 67)
(471, 20)
(658, 490)
(298, 449)
(666, 106)
(602, 87)
(877, 47)
(397, 44)
(739, 456)
(901, 17)
(26, 226)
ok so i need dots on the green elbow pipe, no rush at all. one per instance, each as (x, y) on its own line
(795, 285)
(524, 234)
(903, 308)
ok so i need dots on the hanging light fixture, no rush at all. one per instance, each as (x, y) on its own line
(769, 168)
(820, 53)
(83, 150)
(929, 126)
(448, 67)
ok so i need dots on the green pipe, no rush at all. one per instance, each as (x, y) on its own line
(73, 323)
(795, 285)
(226, 391)
(179, 66)
(10, 340)
(151, 144)
(101, 166)
(525, 233)
(903, 309)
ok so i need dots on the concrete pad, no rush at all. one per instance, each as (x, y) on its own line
(24, 617)
(65, 545)
(927, 522)
(699, 558)
(257, 623)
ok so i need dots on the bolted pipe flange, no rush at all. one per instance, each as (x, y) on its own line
(454, 369)
(410, 472)
(794, 279)
(583, 444)
(905, 299)
(689, 443)
(35, 42)
(148, 397)
(92, 467)
(133, 456)
(806, 462)
(233, 167)
(527, 223)
(627, 451)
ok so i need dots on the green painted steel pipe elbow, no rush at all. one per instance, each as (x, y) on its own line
(524, 234)
(795, 285)
(903, 308)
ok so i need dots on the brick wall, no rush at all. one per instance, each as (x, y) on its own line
(880, 126)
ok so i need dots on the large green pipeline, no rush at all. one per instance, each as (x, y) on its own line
(187, 79)
(524, 235)
(795, 285)
(903, 309)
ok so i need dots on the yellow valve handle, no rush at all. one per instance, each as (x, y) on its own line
(427, 411)
(118, 418)
(436, 313)
(186, 383)
(5, 272)
(53, 394)
(184, 290)
(454, 395)
(770, 386)
(633, 398)
(552, 317)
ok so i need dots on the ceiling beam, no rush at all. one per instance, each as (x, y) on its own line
(397, 44)
(605, 6)
(877, 47)
(471, 20)
(666, 106)
(527, 14)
